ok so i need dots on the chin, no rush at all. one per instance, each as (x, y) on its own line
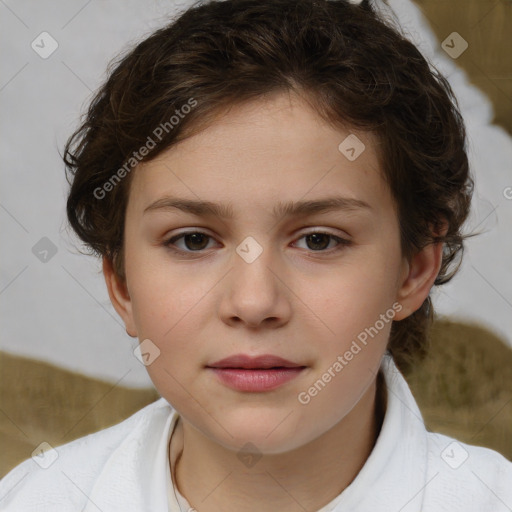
(268, 435)
(260, 444)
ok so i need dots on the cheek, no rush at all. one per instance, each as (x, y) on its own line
(169, 309)
(162, 300)
(345, 302)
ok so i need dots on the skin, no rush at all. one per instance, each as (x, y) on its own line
(301, 301)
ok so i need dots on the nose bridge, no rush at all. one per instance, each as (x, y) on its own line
(254, 261)
(255, 291)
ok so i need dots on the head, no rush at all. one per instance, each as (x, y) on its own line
(257, 106)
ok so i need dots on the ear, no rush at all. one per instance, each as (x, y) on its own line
(119, 296)
(418, 276)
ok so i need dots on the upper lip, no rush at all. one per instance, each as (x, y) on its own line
(250, 362)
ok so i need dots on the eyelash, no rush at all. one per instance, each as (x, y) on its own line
(342, 242)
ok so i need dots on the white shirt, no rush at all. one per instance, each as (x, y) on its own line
(126, 468)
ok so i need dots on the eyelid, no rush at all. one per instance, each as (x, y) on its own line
(323, 230)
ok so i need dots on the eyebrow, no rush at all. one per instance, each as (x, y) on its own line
(281, 209)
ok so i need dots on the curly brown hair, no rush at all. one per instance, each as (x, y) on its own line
(355, 69)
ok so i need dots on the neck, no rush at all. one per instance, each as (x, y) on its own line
(212, 479)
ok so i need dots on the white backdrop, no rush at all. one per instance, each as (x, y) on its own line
(53, 302)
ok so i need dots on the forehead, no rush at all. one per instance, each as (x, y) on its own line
(267, 150)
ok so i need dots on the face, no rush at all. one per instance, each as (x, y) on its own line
(306, 285)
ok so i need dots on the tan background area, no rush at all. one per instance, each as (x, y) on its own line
(464, 388)
(487, 27)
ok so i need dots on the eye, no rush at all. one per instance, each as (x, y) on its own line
(196, 241)
(318, 241)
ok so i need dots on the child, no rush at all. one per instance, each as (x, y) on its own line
(262, 128)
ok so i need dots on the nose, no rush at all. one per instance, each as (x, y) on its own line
(256, 293)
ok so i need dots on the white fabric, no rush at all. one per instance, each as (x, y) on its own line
(125, 468)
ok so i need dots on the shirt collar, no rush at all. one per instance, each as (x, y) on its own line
(394, 475)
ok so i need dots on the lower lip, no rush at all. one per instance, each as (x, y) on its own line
(256, 380)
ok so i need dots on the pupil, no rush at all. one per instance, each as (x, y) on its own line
(316, 238)
(196, 239)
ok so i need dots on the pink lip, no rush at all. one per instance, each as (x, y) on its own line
(261, 373)
(264, 361)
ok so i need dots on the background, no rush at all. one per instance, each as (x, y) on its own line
(54, 305)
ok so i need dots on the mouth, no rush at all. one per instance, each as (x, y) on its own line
(263, 362)
(255, 374)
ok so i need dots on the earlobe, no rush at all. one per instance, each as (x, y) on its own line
(119, 296)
